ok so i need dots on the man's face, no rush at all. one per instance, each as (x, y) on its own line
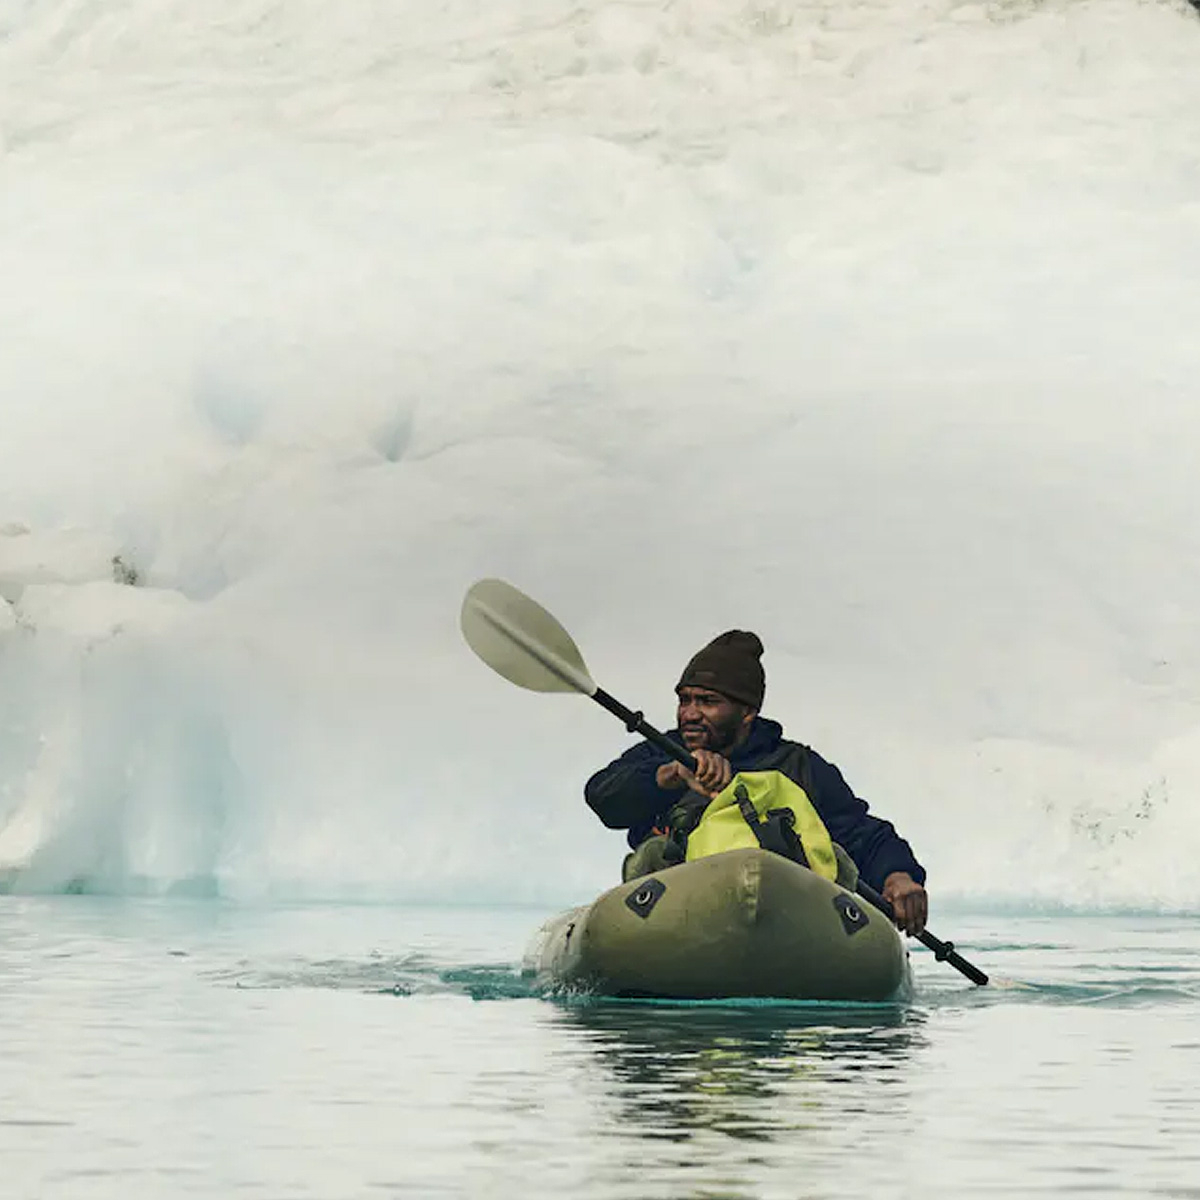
(709, 721)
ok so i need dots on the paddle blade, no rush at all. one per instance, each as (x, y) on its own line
(520, 640)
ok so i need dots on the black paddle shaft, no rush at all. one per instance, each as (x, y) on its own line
(942, 951)
(636, 722)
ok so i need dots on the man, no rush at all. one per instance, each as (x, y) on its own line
(720, 693)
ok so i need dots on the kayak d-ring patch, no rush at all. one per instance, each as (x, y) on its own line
(853, 917)
(645, 896)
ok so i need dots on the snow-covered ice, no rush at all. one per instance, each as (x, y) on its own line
(869, 326)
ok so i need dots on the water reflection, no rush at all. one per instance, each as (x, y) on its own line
(748, 1071)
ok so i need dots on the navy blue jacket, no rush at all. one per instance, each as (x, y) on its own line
(624, 795)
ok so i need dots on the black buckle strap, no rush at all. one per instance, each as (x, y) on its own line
(777, 833)
(748, 811)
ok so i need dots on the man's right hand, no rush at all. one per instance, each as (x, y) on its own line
(712, 774)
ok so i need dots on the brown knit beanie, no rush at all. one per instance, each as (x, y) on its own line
(729, 664)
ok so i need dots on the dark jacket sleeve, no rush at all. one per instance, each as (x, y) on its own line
(624, 795)
(874, 844)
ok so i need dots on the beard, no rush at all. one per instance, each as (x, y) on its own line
(719, 736)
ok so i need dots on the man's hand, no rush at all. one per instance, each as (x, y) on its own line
(909, 901)
(712, 774)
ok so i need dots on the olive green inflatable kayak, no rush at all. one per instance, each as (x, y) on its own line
(738, 923)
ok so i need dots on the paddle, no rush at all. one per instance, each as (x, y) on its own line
(520, 640)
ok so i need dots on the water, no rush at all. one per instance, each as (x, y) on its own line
(199, 1048)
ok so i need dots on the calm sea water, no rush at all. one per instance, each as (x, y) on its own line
(198, 1048)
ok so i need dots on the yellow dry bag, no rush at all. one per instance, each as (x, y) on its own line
(767, 809)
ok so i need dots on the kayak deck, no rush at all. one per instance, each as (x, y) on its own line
(743, 923)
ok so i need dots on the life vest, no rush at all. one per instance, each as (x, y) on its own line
(767, 809)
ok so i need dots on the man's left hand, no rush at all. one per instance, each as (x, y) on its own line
(909, 901)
